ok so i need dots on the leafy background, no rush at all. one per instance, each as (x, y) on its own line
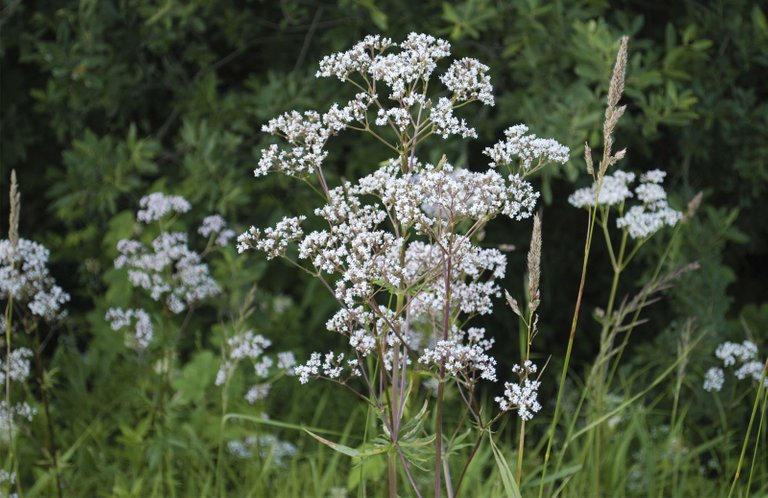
(104, 101)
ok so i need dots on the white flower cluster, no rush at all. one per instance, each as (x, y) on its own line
(732, 354)
(641, 221)
(24, 276)
(157, 205)
(307, 134)
(17, 366)
(464, 355)
(416, 61)
(527, 148)
(19, 411)
(714, 379)
(138, 320)
(257, 392)
(446, 123)
(169, 268)
(215, 225)
(250, 346)
(407, 229)
(524, 395)
(359, 325)
(267, 446)
(355, 60)
(614, 190)
(272, 241)
(474, 270)
(468, 80)
(247, 346)
(405, 69)
(329, 365)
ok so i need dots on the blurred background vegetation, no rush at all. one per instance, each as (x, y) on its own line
(103, 101)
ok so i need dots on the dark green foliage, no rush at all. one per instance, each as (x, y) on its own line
(105, 101)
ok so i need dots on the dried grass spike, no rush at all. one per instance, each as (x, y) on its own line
(619, 71)
(513, 304)
(13, 218)
(693, 206)
(534, 263)
(588, 159)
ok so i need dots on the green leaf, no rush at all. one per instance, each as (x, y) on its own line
(507, 478)
(335, 446)
(195, 377)
(275, 423)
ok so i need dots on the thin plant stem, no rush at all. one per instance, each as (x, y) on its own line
(472, 454)
(759, 395)
(656, 274)
(521, 437)
(520, 449)
(757, 440)
(599, 376)
(50, 434)
(392, 475)
(14, 464)
(441, 386)
(571, 338)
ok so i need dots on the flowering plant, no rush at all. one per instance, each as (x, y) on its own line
(400, 249)
(33, 306)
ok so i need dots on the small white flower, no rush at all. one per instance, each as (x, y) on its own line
(24, 276)
(468, 79)
(731, 352)
(311, 368)
(446, 123)
(286, 361)
(215, 225)
(743, 357)
(522, 395)
(614, 190)
(17, 368)
(714, 379)
(257, 392)
(157, 205)
(119, 319)
(527, 148)
(464, 359)
(170, 268)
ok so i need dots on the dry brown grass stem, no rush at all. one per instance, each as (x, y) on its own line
(693, 206)
(588, 160)
(619, 70)
(534, 264)
(13, 217)
(612, 112)
(512, 302)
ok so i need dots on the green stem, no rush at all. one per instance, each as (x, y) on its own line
(635, 317)
(521, 437)
(599, 369)
(760, 388)
(50, 435)
(757, 440)
(14, 464)
(441, 386)
(571, 338)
